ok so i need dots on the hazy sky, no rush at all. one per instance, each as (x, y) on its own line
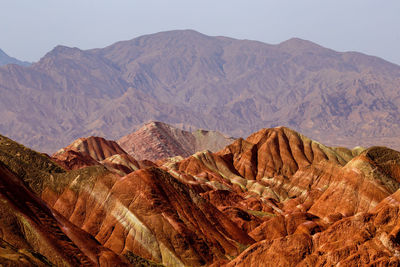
(31, 28)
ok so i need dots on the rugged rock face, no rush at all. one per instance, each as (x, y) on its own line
(157, 140)
(266, 160)
(92, 151)
(31, 221)
(47, 237)
(316, 198)
(276, 198)
(97, 148)
(194, 81)
(147, 213)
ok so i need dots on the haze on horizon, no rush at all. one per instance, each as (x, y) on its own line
(29, 29)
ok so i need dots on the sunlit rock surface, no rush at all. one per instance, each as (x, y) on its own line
(156, 140)
(276, 198)
(91, 151)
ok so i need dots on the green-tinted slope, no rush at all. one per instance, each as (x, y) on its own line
(34, 168)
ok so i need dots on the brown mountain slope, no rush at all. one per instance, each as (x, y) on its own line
(96, 147)
(28, 223)
(91, 151)
(146, 213)
(277, 198)
(150, 214)
(195, 81)
(31, 226)
(157, 140)
(327, 206)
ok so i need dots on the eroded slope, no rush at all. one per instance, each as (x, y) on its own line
(157, 140)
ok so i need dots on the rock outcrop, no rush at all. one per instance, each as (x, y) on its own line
(147, 213)
(91, 151)
(157, 140)
(276, 198)
(315, 198)
(43, 236)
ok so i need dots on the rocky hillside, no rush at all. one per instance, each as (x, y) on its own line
(91, 151)
(158, 140)
(276, 198)
(193, 81)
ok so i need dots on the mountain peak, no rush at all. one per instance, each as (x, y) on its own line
(63, 50)
(298, 44)
(235, 86)
(169, 39)
(157, 140)
(155, 124)
(185, 33)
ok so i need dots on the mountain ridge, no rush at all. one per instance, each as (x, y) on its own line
(156, 140)
(6, 59)
(276, 196)
(191, 80)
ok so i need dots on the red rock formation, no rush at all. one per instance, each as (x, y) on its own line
(277, 198)
(285, 251)
(96, 147)
(153, 215)
(30, 224)
(264, 163)
(31, 220)
(95, 151)
(73, 160)
(157, 140)
(316, 192)
(121, 164)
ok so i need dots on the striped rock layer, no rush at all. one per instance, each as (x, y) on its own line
(276, 198)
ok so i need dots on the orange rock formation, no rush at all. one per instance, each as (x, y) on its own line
(276, 198)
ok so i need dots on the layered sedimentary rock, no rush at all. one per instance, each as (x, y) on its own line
(276, 198)
(266, 159)
(157, 140)
(32, 232)
(147, 213)
(91, 151)
(151, 214)
(96, 147)
(43, 236)
(315, 198)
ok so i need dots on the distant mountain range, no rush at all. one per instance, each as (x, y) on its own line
(6, 59)
(192, 81)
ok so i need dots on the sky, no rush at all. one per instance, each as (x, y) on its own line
(29, 29)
